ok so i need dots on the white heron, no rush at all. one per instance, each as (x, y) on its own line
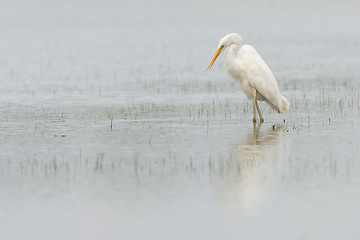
(244, 64)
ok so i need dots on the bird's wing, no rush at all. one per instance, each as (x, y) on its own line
(260, 76)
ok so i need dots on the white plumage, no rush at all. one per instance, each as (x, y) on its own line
(244, 64)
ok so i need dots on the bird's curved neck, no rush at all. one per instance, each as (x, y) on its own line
(232, 54)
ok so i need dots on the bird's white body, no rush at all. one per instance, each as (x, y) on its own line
(244, 64)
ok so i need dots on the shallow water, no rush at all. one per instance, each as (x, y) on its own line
(113, 128)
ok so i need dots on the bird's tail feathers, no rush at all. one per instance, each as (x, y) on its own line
(285, 105)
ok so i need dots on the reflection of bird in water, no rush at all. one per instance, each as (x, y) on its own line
(248, 171)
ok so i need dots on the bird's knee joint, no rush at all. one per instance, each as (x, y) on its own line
(254, 92)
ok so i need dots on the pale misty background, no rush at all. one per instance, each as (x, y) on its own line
(112, 127)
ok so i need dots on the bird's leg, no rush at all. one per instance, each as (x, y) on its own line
(258, 109)
(254, 99)
(254, 132)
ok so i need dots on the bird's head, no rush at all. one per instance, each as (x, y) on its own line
(231, 38)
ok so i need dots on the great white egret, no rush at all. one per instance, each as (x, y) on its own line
(244, 64)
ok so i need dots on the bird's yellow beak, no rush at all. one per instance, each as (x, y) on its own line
(215, 57)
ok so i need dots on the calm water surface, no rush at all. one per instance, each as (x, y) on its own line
(112, 128)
